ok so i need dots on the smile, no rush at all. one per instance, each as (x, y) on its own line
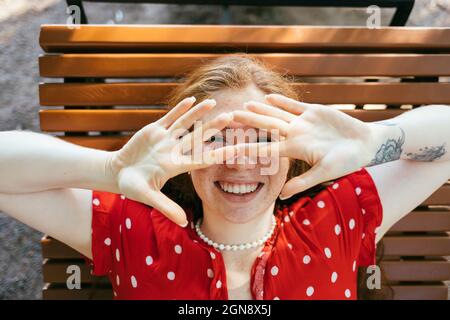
(238, 188)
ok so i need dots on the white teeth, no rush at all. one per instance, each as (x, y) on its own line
(238, 188)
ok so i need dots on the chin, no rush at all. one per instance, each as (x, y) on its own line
(239, 215)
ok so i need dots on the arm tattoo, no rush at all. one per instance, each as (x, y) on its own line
(390, 150)
(427, 154)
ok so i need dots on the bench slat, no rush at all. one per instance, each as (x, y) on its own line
(312, 65)
(417, 270)
(133, 120)
(416, 245)
(425, 220)
(440, 197)
(144, 94)
(107, 143)
(55, 270)
(424, 291)
(147, 38)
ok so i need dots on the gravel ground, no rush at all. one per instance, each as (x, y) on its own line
(20, 256)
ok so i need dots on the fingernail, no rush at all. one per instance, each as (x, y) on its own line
(184, 224)
(193, 98)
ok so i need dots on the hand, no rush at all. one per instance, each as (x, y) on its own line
(330, 141)
(157, 153)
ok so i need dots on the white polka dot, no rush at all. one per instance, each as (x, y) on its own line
(178, 249)
(363, 235)
(274, 270)
(108, 241)
(122, 197)
(115, 294)
(351, 224)
(327, 252)
(335, 186)
(337, 229)
(213, 256)
(348, 293)
(363, 211)
(171, 275)
(148, 260)
(310, 291)
(286, 219)
(291, 213)
(354, 266)
(306, 222)
(133, 282)
(306, 259)
(117, 255)
(358, 190)
(218, 284)
(117, 280)
(128, 223)
(276, 298)
(321, 204)
(96, 202)
(290, 246)
(334, 276)
(120, 228)
(210, 273)
(376, 230)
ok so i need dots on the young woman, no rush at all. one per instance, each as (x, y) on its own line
(227, 230)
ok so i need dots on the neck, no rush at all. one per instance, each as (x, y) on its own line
(221, 230)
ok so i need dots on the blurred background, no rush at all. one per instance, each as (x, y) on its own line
(20, 20)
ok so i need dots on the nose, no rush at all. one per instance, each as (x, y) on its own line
(241, 162)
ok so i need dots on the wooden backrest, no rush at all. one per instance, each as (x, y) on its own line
(117, 78)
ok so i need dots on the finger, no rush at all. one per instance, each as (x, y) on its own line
(166, 206)
(265, 109)
(176, 112)
(261, 121)
(251, 150)
(290, 105)
(204, 132)
(307, 180)
(188, 119)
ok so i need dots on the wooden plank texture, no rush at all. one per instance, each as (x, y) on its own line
(145, 94)
(153, 38)
(133, 120)
(176, 64)
(55, 270)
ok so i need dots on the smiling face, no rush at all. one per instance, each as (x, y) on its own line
(239, 192)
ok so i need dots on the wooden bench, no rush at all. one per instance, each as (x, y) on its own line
(116, 79)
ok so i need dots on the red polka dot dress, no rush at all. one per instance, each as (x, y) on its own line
(314, 252)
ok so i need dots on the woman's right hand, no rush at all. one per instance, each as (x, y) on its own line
(162, 150)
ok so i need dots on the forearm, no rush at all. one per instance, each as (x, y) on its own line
(32, 162)
(422, 134)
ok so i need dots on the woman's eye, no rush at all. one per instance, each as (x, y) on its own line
(215, 139)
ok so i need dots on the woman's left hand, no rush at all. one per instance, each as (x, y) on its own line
(330, 141)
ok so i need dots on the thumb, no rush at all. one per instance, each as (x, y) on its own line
(166, 206)
(309, 179)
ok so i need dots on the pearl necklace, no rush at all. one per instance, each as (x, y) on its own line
(235, 247)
